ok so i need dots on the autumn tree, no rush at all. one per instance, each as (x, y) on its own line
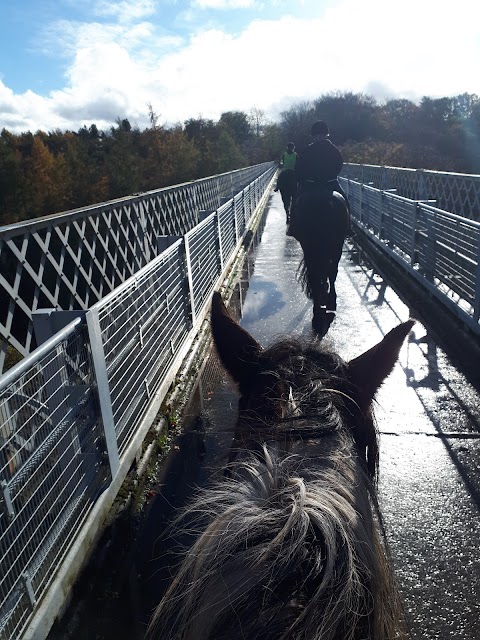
(40, 177)
(238, 125)
(12, 180)
(121, 163)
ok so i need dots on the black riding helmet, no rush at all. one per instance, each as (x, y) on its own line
(319, 128)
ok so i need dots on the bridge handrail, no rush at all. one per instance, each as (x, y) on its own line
(441, 250)
(454, 192)
(74, 413)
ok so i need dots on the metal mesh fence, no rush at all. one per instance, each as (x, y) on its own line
(71, 260)
(440, 248)
(142, 327)
(56, 452)
(52, 468)
(457, 193)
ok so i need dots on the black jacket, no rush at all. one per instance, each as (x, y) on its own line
(320, 162)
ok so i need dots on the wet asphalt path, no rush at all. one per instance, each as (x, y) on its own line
(429, 419)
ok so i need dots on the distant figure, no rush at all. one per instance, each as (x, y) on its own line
(289, 157)
(287, 180)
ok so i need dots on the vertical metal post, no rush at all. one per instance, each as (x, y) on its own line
(61, 396)
(235, 221)
(195, 200)
(188, 262)
(381, 230)
(413, 238)
(421, 188)
(432, 248)
(360, 202)
(48, 322)
(476, 303)
(219, 238)
(103, 388)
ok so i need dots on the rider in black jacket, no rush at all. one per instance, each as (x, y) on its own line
(321, 162)
(317, 169)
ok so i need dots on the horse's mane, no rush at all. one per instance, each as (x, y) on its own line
(291, 545)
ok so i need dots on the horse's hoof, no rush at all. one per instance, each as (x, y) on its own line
(322, 320)
(318, 326)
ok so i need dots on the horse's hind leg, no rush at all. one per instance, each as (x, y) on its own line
(319, 298)
(286, 199)
(332, 294)
(289, 208)
(332, 276)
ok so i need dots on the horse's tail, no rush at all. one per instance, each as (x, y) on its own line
(282, 554)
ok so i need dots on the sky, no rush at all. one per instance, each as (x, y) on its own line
(69, 63)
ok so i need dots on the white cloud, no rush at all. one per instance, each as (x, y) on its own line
(390, 49)
(66, 38)
(126, 10)
(224, 4)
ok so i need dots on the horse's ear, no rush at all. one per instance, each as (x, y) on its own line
(237, 349)
(368, 371)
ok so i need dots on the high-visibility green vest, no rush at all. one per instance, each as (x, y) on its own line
(289, 160)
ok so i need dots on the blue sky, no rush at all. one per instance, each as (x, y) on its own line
(66, 63)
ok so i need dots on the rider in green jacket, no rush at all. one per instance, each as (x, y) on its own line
(289, 157)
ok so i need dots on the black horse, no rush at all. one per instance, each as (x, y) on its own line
(287, 185)
(291, 545)
(320, 222)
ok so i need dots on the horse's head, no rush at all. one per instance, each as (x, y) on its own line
(291, 543)
(291, 385)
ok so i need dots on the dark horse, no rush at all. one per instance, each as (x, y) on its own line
(287, 185)
(290, 542)
(320, 223)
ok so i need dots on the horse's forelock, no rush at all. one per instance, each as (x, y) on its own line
(300, 380)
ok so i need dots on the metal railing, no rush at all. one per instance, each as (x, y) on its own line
(457, 193)
(440, 249)
(75, 411)
(52, 467)
(73, 259)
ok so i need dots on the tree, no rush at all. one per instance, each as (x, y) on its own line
(238, 125)
(296, 123)
(400, 120)
(181, 157)
(122, 166)
(12, 180)
(229, 154)
(41, 178)
(350, 116)
(203, 133)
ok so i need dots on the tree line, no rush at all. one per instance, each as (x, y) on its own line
(48, 172)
